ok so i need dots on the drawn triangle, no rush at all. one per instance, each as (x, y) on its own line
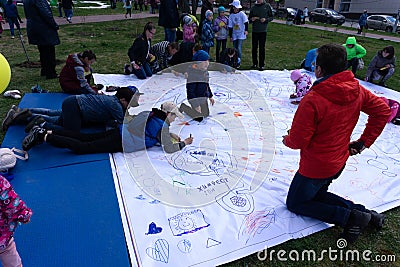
(212, 242)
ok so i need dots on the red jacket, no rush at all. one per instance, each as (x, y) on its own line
(325, 119)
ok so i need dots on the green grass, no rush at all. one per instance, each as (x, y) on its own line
(286, 47)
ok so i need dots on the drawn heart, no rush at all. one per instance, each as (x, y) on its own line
(160, 252)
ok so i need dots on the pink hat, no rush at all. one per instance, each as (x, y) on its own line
(295, 75)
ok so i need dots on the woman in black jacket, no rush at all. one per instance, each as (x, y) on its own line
(42, 31)
(139, 53)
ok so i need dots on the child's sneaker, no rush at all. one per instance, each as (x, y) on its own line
(35, 137)
(36, 121)
(15, 115)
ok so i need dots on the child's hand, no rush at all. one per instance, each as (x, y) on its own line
(212, 101)
(188, 140)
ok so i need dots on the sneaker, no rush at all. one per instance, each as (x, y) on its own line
(261, 68)
(377, 219)
(254, 67)
(12, 36)
(36, 121)
(8, 119)
(15, 115)
(127, 69)
(356, 223)
(35, 137)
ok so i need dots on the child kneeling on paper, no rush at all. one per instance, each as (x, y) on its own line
(303, 84)
(197, 87)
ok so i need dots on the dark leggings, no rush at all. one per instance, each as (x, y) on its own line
(79, 143)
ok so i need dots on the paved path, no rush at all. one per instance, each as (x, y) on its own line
(102, 18)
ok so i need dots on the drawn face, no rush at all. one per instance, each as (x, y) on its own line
(186, 223)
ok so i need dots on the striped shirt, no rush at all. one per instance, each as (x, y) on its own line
(160, 51)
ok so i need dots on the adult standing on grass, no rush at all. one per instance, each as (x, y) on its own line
(169, 19)
(42, 31)
(305, 14)
(260, 15)
(362, 21)
(321, 129)
(68, 11)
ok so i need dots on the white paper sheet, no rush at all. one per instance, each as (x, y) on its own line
(223, 197)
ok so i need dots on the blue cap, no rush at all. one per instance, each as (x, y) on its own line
(134, 89)
(201, 55)
(221, 9)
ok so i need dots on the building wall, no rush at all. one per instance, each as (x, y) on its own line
(356, 6)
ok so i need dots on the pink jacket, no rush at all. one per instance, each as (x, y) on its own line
(394, 108)
(13, 212)
(303, 85)
(188, 33)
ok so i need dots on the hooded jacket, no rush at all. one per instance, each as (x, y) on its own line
(72, 76)
(356, 51)
(325, 119)
(378, 62)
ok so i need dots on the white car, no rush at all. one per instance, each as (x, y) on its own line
(382, 22)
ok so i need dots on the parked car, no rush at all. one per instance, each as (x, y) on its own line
(382, 22)
(286, 13)
(326, 15)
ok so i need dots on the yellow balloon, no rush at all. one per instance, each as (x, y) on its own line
(5, 73)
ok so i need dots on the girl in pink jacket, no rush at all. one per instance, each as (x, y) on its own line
(13, 212)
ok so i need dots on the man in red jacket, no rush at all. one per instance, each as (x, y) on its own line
(321, 129)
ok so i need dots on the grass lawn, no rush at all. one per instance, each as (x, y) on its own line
(286, 47)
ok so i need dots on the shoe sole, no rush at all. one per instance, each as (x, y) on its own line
(8, 120)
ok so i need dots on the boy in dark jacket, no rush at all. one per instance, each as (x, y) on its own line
(197, 87)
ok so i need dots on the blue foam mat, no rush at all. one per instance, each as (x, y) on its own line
(76, 220)
(44, 156)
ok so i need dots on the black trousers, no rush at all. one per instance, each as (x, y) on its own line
(353, 63)
(80, 143)
(47, 60)
(258, 42)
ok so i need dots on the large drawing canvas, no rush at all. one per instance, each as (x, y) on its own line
(223, 197)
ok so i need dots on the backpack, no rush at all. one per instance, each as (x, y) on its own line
(8, 158)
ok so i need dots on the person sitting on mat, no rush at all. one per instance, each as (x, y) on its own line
(76, 75)
(382, 66)
(145, 130)
(77, 111)
(197, 87)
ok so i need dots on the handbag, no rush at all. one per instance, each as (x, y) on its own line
(360, 64)
(8, 158)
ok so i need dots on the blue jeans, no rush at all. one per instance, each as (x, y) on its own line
(310, 197)
(51, 116)
(170, 34)
(68, 13)
(143, 72)
(238, 45)
(11, 22)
